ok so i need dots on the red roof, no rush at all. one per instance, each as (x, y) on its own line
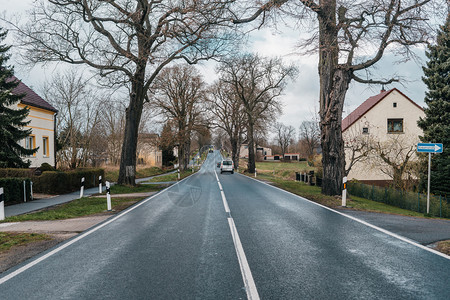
(31, 98)
(367, 105)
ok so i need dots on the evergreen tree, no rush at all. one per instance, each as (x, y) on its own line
(436, 124)
(12, 120)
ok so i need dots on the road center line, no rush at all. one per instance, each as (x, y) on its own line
(247, 277)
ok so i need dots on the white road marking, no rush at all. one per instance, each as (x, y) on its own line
(62, 247)
(247, 277)
(402, 238)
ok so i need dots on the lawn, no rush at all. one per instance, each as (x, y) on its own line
(112, 174)
(76, 208)
(140, 188)
(12, 239)
(314, 193)
(171, 177)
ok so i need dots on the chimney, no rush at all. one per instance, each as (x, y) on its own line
(382, 89)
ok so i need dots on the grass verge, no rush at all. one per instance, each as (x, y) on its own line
(171, 177)
(314, 193)
(444, 247)
(113, 174)
(140, 188)
(13, 239)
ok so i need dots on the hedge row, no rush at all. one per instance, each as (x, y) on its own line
(13, 189)
(10, 172)
(54, 182)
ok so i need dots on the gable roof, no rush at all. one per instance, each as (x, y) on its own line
(31, 98)
(368, 105)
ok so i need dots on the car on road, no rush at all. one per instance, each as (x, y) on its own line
(227, 166)
(211, 151)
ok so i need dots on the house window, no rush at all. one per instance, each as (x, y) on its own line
(30, 143)
(365, 130)
(395, 125)
(394, 104)
(45, 145)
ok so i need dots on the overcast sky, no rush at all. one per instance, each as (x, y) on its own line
(300, 99)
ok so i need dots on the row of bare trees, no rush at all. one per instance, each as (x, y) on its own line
(131, 42)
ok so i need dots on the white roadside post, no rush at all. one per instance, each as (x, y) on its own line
(82, 188)
(99, 184)
(344, 192)
(24, 192)
(31, 190)
(178, 173)
(2, 205)
(108, 196)
(255, 172)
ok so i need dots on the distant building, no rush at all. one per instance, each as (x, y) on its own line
(43, 124)
(292, 156)
(380, 120)
(259, 151)
(149, 153)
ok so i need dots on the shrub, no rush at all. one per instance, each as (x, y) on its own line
(46, 167)
(13, 189)
(13, 172)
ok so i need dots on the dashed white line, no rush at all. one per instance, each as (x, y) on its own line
(247, 277)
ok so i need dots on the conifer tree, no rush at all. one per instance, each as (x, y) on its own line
(436, 124)
(12, 120)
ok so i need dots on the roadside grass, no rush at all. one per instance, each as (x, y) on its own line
(112, 174)
(314, 193)
(172, 177)
(74, 209)
(140, 188)
(13, 239)
(444, 247)
(300, 166)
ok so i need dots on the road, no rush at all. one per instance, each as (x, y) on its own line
(248, 240)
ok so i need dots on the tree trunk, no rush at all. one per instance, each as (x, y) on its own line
(334, 83)
(127, 172)
(187, 152)
(251, 148)
(234, 152)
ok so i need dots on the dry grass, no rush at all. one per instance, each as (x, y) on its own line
(444, 247)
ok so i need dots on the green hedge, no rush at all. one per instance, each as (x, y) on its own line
(10, 172)
(54, 182)
(13, 189)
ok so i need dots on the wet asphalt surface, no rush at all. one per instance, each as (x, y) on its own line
(178, 245)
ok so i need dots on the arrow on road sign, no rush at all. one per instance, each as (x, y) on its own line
(430, 147)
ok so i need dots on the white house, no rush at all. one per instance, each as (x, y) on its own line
(388, 123)
(42, 116)
(259, 151)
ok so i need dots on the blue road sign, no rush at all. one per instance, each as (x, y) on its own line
(430, 147)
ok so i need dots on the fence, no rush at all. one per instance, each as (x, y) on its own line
(439, 205)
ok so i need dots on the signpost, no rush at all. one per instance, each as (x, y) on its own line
(429, 148)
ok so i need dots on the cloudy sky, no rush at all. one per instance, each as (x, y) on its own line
(300, 99)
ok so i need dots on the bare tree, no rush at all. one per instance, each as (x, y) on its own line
(284, 136)
(350, 37)
(358, 147)
(395, 157)
(179, 92)
(128, 42)
(78, 116)
(310, 136)
(257, 82)
(229, 115)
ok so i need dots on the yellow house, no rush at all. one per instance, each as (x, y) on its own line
(387, 125)
(42, 116)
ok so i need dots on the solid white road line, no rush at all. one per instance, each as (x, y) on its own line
(62, 247)
(247, 277)
(402, 238)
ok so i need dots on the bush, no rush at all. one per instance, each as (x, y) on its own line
(12, 172)
(13, 189)
(54, 182)
(46, 167)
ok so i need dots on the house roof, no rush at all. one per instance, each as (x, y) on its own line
(368, 105)
(31, 98)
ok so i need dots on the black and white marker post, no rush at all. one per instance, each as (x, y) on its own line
(344, 192)
(99, 184)
(82, 188)
(108, 196)
(2, 205)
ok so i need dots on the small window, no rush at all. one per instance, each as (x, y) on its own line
(395, 125)
(394, 104)
(30, 143)
(365, 130)
(45, 146)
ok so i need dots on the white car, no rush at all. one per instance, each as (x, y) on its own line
(227, 166)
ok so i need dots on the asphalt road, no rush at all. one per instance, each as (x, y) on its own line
(223, 236)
